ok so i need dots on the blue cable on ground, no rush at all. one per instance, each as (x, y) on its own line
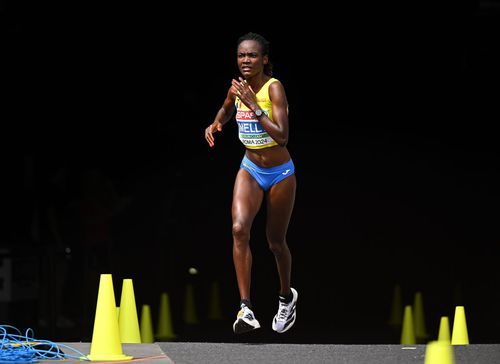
(25, 349)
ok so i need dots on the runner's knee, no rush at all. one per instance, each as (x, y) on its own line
(240, 231)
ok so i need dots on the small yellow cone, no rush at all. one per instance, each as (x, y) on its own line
(215, 311)
(419, 318)
(444, 329)
(190, 315)
(396, 307)
(439, 352)
(408, 329)
(165, 330)
(128, 320)
(459, 335)
(106, 344)
(146, 325)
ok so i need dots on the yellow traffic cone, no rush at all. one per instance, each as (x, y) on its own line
(439, 352)
(128, 320)
(106, 343)
(459, 334)
(419, 318)
(215, 311)
(408, 329)
(444, 329)
(396, 307)
(146, 325)
(164, 330)
(190, 316)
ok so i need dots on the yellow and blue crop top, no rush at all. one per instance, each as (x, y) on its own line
(251, 132)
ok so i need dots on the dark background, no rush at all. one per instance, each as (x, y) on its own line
(393, 116)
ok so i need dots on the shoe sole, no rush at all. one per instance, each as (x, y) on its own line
(240, 327)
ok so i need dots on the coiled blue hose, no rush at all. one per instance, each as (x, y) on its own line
(18, 348)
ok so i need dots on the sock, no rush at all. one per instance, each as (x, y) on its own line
(286, 298)
(246, 302)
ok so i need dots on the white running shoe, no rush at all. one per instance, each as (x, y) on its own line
(245, 321)
(285, 318)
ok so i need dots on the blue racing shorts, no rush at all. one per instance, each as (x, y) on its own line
(267, 177)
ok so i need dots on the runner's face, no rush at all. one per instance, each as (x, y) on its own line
(250, 59)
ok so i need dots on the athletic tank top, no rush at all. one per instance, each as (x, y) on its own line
(250, 131)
